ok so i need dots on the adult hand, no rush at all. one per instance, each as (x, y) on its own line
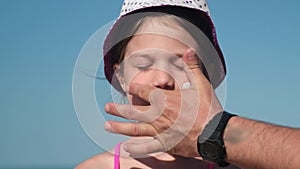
(175, 118)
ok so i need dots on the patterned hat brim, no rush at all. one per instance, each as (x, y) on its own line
(194, 16)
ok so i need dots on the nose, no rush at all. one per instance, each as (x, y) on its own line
(163, 80)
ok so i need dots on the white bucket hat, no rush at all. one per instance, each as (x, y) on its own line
(194, 11)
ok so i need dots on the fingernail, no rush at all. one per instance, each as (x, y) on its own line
(186, 85)
(125, 147)
(107, 108)
(107, 127)
(190, 56)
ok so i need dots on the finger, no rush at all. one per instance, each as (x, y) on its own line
(192, 69)
(141, 90)
(131, 112)
(143, 148)
(130, 129)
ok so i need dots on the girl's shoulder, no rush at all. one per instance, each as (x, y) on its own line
(158, 161)
(100, 161)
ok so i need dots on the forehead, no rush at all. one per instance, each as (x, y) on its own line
(154, 41)
(162, 32)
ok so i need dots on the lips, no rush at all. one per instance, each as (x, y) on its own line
(139, 102)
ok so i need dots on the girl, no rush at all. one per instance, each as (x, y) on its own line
(148, 45)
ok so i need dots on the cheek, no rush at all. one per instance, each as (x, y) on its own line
(141, 78)
(132, 74)
(138, 77)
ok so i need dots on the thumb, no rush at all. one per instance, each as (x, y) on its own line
(192, 68)
(190, 59)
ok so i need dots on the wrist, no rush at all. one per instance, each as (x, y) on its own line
(236, 136)
(211, 141)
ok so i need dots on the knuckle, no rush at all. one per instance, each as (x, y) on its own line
(160, 125)
(135, 130)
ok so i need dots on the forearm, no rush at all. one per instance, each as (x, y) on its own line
(253, 144)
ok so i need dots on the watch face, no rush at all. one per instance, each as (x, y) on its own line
(210, 148)
(210, 142)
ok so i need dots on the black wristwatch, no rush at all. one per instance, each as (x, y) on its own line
(210, 142)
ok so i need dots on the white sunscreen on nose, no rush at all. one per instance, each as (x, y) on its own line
(186, 85)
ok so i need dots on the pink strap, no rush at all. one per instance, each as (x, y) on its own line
(117, 156)
(211, 166)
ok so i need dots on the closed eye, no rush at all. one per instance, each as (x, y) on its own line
(178, 63)
(142, 62)
(143, 67)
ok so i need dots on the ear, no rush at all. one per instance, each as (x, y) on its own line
(119, 76)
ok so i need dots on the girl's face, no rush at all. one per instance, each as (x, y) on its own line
(154, 60)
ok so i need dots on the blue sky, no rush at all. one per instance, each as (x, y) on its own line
(41, 40)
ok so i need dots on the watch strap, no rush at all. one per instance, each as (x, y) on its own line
(211, 143)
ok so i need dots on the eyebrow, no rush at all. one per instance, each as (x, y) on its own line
(180, 55)
(143, 55)
(146, 55)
